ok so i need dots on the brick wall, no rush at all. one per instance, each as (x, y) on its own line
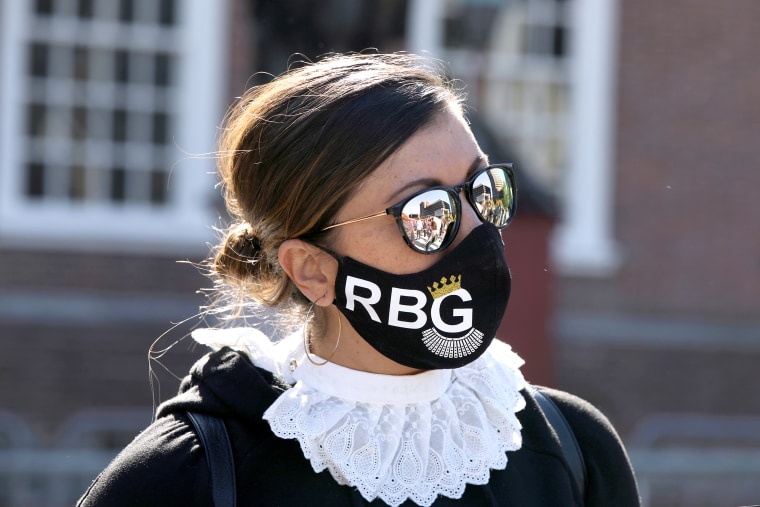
(689, 119)
(76, 328)
(683, 322)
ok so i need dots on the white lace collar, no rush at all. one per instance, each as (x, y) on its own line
(393, 437)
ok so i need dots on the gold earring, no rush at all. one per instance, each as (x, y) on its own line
(306, 339)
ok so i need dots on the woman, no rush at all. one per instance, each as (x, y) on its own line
(393, 391)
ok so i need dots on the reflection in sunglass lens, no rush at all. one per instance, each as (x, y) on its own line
(492, 196)
(429, 219)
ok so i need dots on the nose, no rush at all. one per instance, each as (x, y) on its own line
(470, 220)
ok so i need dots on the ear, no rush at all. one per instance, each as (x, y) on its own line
(311, 269)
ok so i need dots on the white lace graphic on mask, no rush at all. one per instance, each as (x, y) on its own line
(452, 347)
(413, 437)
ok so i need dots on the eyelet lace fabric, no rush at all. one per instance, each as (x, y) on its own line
(397, 437)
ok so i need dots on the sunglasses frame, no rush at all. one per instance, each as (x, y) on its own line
(453, 192)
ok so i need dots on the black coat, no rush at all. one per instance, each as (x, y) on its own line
(165, 465)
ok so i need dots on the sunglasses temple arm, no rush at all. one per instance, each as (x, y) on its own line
(378, 214)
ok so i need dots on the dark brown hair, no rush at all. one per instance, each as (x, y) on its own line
(294, 149)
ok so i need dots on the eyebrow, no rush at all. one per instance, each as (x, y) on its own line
(431, 182)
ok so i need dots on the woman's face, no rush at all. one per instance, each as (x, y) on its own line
(443, 153)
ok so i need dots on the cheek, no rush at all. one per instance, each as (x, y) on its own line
(383, 248)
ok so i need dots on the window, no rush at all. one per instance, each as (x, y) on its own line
(108, 102)
(513, 55)
(540, 74)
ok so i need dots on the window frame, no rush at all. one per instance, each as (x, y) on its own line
(583, 242)
(185, 220)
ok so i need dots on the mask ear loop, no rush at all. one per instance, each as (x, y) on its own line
(306, 338)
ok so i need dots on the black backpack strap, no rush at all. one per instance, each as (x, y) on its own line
(216, 444)
(570, 448)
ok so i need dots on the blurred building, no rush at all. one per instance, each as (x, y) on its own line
(635, 253)
(109, 116)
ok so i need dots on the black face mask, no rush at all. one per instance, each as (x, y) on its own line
(442, 317)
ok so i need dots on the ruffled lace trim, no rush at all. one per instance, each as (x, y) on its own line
(394, 438)
(413, 450)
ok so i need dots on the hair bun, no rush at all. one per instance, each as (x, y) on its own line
(241, 257)
(243, 243)
(250, 241)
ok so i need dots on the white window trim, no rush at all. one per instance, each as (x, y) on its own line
(582, 243)
(185, 222)
(425, 22)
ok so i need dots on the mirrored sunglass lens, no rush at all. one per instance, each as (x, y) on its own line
(493, 196)
(428, 220)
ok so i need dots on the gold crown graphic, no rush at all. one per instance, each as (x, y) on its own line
(444, 287)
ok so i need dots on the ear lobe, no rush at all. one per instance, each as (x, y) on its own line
(311, 270)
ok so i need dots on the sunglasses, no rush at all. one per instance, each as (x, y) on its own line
(429, 219)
